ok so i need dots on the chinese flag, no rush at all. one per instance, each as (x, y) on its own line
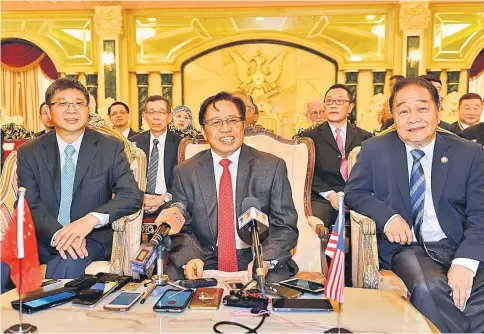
(22, 254)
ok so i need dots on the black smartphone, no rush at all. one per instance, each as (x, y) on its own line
(44, 301)
(282, 291)
(199, 283)
(107, 277)
(173, 301)
(303, 285)
(301, 305)
(89, 297)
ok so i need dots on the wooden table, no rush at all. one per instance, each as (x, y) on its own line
(363, 311)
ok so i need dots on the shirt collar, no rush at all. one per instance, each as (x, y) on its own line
(342, 131)
(161, 138)
(428, 149)
(63, 144)
(234, 157)
(125, 133)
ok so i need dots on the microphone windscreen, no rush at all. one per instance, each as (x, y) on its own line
(250, 202)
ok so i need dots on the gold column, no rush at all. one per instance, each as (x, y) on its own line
(133, 101)
(82, 79)
(154, 83)
(177, 90)
(341, 77)
(464, 82)
(443, 78)
(364, 93)
(62, 74)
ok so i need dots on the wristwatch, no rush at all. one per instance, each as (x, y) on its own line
(168, 197)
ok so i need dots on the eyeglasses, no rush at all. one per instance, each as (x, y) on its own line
(159, 112)
(315, 112)
(64, 105)
(120, 113)
(217, 123)
(338, 102)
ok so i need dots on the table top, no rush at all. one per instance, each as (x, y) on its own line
(363, 311)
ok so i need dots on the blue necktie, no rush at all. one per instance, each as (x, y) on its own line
(417, 193)
(153, 168)
(67, 186)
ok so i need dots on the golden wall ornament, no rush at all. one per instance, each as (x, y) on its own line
(108, 20)
(257, 77)
(414, 16)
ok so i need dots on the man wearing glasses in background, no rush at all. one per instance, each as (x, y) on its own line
(118, 113)
(212, 186)
(46, 121)
(161, 149)
(71, 175)
(314, 114)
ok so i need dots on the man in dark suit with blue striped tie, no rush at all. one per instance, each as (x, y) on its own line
(425, 190)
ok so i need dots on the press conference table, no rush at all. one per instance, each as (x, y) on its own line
(363, 311)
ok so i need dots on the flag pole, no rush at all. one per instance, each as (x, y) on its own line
(21, 327)
(341, 213)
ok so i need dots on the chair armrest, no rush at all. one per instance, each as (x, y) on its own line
(365, 266)
(126, 242)
(322, 231)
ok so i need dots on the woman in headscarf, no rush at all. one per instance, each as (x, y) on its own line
(182, 122)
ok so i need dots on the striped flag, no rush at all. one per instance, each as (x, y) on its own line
(335, 282)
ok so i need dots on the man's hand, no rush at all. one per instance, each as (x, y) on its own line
(460, 280)
(74, 253)
(334, 200)
(75, 233)
(397, 230)
(265, 266)
(194, 269)
(153, 202)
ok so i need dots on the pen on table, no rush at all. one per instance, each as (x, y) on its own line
(149, 290)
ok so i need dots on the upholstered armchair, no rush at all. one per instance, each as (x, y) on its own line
(299, 157)
(366, 271)
(127, 230)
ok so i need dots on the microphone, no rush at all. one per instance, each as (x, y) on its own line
(146, 254)
(254, 222)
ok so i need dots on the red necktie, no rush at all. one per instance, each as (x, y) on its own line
(344, 162)
(227, 255)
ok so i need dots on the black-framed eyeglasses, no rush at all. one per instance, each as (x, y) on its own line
(217, 123)
(64, 105)
(338, 102)
(159, 112)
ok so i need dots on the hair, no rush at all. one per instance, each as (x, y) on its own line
(222, 96)
(154, 98)
(397, 77)
(62, 84)
(420, 82)
(183, 108)
(118, 103)
(431, 78)
(337, 86)
(470, 96)
(40, 108)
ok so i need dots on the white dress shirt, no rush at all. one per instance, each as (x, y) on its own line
(102, 217)
(125, 133)
(160, 175)
(218, 171)
(431, 229)
(342, 132)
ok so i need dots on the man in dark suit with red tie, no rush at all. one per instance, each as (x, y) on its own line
(212, 186)
(333, 141)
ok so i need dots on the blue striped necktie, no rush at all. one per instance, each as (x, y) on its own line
(67, 186)
(417, 193)
(153, 168)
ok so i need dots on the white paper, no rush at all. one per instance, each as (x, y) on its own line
(224, 276)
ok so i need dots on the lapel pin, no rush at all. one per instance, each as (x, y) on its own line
(474, 140)
(444, 160)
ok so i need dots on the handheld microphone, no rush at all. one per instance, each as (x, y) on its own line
(254, 222)
(147, 252)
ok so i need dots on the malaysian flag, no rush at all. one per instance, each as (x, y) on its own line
(336, 251)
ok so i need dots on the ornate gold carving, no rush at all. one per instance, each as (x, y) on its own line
(108, 20)
(414, 16)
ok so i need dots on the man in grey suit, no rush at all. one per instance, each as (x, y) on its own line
(212, 186)
(70, 176)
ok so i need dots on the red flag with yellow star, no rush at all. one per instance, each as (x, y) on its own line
(22, 254)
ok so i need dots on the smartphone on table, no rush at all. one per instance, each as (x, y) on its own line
(173, 301)
(124, 301)
(301, 305)
(89, 297)
(207, 298)
(303, 285)
(282, 291)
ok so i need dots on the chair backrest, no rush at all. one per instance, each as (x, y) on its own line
(299, 156)
(271, 122)
(9, 189)
(352, 158)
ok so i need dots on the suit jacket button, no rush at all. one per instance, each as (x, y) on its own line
(339, 156)
(337, 173)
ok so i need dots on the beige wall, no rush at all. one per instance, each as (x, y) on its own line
(303, 76)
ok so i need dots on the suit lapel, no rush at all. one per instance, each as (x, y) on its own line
(243, 174)
(398, 162)
(350, 137)
(168, 154)
(327, 135)
(51, 157)
(439, 168)
(144, 144)
(206, 182)
(87, 154)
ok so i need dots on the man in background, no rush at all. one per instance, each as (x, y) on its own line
(470, 111)
(118, 113)
(385, 116)
(45, 120)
